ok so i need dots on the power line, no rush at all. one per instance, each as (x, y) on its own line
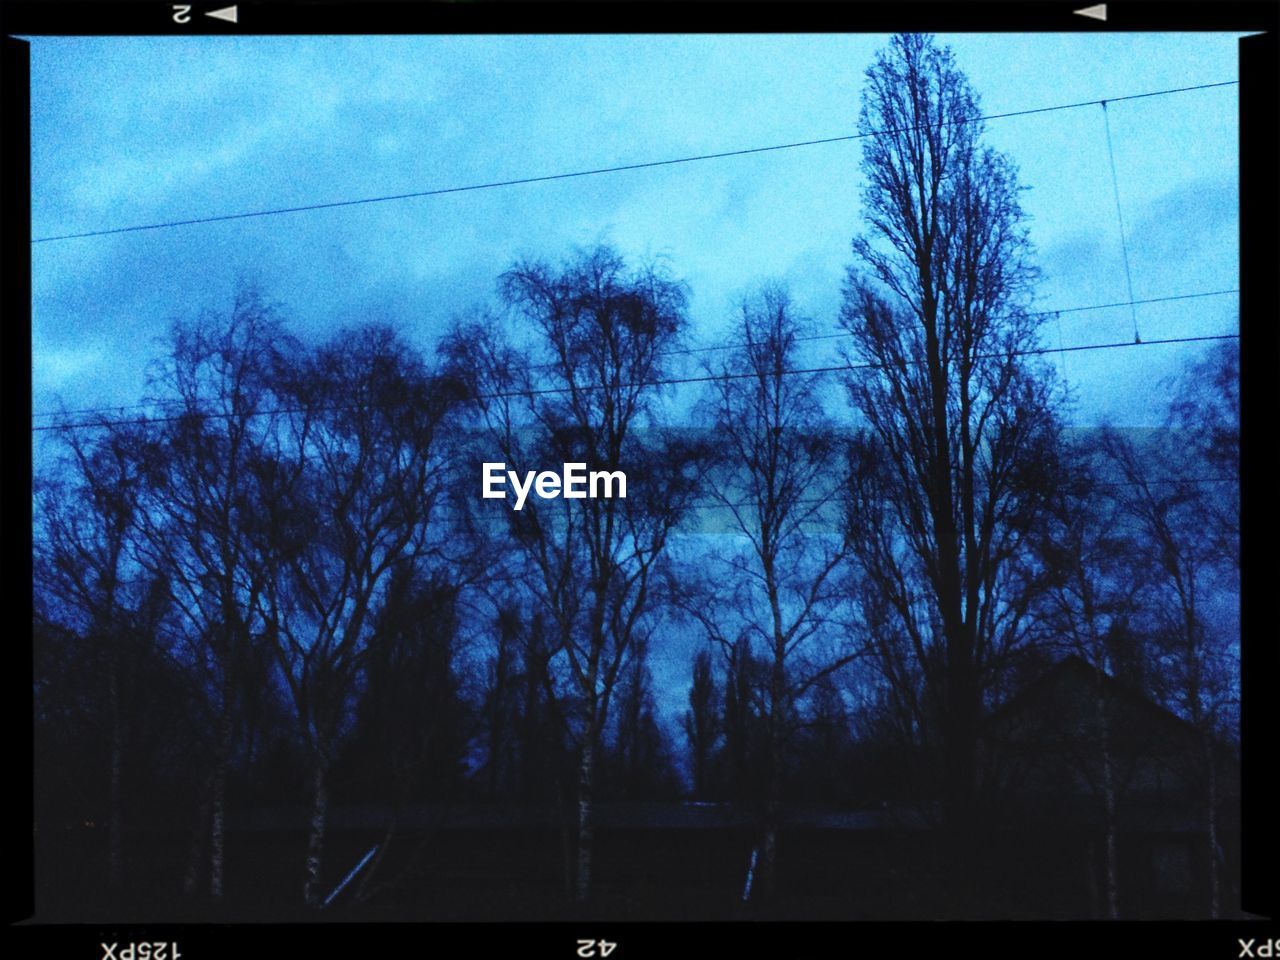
(1035, 313)
(671, 381)
(603, 170)
(121, 408)
(1124, 244)
(840, 368)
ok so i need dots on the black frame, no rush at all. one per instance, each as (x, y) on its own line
(1260, 347)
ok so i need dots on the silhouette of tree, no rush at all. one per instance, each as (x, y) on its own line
(638, 761)
(94, 598)
(202, 516)
(745, 754)
(355, 507)
(959, 422)
(1197, 671)
(579, 389)
(1204, 417)
(501, 706)
(410, 730)
(777, 484)
(702, 722)
(1093, 579)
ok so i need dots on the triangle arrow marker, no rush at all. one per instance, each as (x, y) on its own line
(1098, 11)
(230, 15)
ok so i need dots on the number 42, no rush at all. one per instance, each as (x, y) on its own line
(595, 948)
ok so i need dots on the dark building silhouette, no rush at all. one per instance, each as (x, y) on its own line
(1045, 756)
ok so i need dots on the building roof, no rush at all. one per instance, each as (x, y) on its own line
(1075, 669)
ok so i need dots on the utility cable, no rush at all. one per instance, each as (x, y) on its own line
(522, 181)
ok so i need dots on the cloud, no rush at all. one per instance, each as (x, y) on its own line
(56, 368)
(129, 131)
(1177, 224)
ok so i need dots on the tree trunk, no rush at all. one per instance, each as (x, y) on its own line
(218, 801)
(586, 827)
(769, 861)
(1215, 880)
(195, 854)
(961, 712)
(961, 740)
(1092, 871)
(773, 805)
(114, 859)
(1112, 860)
(777, 717)
(315, 839)
(1109, 808)
(565, 816)
(960, 839)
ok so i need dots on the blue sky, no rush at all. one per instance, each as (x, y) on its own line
(140, 130)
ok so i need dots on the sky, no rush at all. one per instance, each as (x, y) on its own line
(133, 131)
(130, 131)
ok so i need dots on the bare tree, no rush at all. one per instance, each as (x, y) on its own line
(87, 510)
(597, 334)
(824, 755)
(1204, 418)
(637, 759)
(746, 733)
(702, 721)
(1092, 584)
(522, 707)
(410, 720)
(961, 420)
(779, 485)
(501, 708)
(1198, 660)
(899, 725)
(354, 507)
(202, 509)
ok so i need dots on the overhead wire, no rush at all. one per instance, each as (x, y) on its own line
(1124, 243)
(668, 381)
(619, 168)
(681, 351)
(1131, 302)
(809, 338)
